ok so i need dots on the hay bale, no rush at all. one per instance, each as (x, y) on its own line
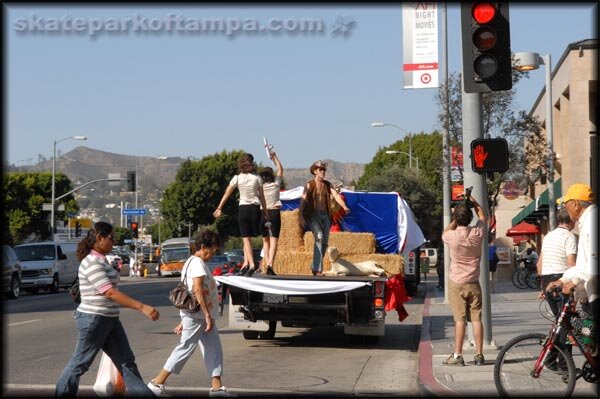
(291, 237)
(293, 262)
(299, 263)
(391, 263)
(345, 242)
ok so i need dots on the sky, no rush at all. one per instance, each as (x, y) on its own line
(153, 89)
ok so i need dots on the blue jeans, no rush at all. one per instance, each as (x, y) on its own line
(320, 224)
(100, 332)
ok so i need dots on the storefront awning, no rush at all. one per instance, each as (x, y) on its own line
(538, 208)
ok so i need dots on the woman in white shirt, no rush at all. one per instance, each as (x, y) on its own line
(271, 190)
(251, 199)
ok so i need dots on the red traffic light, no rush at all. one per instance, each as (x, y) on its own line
(483, 12)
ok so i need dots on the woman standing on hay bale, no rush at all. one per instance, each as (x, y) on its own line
(271, 189)
(251, 199)
(316, 213)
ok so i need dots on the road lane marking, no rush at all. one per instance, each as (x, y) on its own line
(25, 322)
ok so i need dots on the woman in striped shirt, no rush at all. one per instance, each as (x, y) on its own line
(97, 317)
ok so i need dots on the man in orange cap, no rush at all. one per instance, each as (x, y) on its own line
(579, 203)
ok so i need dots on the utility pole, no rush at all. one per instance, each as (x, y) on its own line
(446, 152)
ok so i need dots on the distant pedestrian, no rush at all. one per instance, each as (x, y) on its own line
(464, 290)
(252, 198)
(271, 189)
(198, 328)
(493, 262)
(315, 212)
(559, 252)
(97, 317)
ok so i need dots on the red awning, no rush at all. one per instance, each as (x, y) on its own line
(522, 228)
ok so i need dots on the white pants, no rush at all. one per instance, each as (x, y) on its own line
(193, 334)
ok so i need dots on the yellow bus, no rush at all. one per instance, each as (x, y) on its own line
(173, 254)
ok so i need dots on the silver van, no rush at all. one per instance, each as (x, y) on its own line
(11, 272)
(49, 265)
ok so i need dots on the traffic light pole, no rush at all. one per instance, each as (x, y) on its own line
(473, 129)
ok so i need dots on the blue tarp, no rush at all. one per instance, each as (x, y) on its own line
(376, 213)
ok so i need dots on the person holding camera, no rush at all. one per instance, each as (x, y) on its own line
(464, 291)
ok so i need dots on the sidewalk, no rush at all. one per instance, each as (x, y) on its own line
(514, 312)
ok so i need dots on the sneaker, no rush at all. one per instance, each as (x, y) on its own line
(452, 361)
(479, 360)
(221, 393)
(157, 389)
(270, 271)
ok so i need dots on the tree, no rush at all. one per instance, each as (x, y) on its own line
(120, 234)
(422, 191)
(24, 195)
(196, 192)
(500, 118)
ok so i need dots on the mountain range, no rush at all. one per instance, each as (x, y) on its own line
(84, 164)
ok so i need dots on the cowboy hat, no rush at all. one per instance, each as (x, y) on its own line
(317, 165)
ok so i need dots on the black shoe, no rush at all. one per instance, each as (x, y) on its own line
(243, 271)
(270, 271)
(251, 271)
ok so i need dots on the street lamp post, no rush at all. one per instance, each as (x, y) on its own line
(405, 153)
(54, 179)
(527, 61)
(410, 157)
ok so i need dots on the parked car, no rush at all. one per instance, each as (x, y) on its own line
(124, 253)
(11, 272)
(117, 262)
(218, 261)
(235, 261)
(240, 252)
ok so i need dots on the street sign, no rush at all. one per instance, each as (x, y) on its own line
(134, 211)
(128, 241)
(48, 207)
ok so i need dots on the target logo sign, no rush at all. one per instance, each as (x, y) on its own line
(425, 78)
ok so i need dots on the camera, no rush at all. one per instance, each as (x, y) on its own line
(467, 197)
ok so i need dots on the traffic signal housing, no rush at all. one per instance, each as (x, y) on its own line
(77, 229)
(486, 46)
(134, 230)
(131, 186)
(489, 155)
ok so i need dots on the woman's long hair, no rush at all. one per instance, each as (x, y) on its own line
(85, 246)
(246, 163)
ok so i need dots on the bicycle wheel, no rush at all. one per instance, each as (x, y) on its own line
(515, 278)
(514, 369)
(521, 279)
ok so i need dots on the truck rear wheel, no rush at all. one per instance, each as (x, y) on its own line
(270, 333)
(250, 334)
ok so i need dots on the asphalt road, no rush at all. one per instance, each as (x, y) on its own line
(39, 336)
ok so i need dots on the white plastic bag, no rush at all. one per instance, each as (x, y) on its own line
(109, 381)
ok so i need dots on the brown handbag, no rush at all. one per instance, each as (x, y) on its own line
(180, 297)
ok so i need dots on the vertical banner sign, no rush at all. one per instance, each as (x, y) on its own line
(457, 163)
(420, 42)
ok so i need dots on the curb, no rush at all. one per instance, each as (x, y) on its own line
(429, 384)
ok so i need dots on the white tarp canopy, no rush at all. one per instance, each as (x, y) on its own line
(290, 287)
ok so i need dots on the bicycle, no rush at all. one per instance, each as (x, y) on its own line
(525, 275)
(523, 366)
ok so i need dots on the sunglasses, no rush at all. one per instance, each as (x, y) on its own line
(323, 169)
